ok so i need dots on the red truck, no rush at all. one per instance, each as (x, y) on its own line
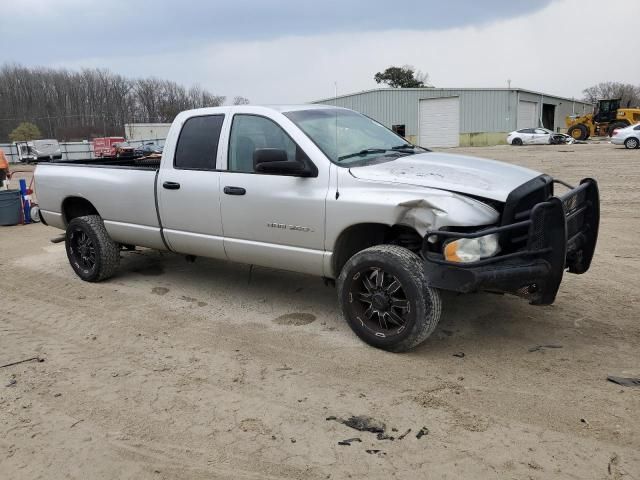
(112, 147)
(106, 146)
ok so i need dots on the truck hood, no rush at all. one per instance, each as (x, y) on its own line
(456, 173)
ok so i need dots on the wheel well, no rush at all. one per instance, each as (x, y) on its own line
(74, 207)
(364, 235)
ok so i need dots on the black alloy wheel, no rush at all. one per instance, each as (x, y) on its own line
(378, 299)
(82, 249)
(385, 298)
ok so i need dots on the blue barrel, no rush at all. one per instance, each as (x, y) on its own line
(10, 206)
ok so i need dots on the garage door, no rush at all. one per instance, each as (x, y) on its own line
(440, 122)
(527, 114)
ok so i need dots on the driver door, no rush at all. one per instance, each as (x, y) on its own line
(272, 220)
(540, 136)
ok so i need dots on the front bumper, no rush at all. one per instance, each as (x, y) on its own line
(551, 236)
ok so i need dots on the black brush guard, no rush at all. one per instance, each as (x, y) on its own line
(560, 233)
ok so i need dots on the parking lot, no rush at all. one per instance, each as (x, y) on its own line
(214, 370)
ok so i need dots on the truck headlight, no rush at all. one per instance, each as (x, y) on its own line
(465, 250)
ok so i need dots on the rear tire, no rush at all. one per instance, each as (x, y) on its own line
(517, 142)
(632, 143)
(579, 132)
(93, 255)
(386, 300)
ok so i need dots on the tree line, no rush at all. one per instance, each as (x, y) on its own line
(628, 94)
(77, 105)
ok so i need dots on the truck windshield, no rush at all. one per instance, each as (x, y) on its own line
(347, 137)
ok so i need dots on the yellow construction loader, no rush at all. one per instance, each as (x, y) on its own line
(607, 117)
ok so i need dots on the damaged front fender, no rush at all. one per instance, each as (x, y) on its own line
(426, 214)
(421, 208)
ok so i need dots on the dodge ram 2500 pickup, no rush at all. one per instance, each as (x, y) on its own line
(329, 192)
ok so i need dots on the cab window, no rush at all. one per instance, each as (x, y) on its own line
(250, 133)
(197, 147)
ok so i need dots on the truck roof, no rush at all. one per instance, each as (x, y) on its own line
(244, 108)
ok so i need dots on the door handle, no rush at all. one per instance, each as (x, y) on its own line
(234, 190)
(171, 185)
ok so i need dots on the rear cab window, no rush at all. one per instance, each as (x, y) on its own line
(197, 147)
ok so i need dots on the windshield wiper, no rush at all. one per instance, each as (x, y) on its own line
(407, 146)
(364, 152)
(402, 147)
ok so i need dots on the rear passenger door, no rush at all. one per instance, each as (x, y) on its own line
(188, 189)
(527, 135)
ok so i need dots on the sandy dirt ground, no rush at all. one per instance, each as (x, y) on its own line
(207, 371)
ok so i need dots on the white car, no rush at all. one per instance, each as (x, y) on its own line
(535, 136)
(628, 136)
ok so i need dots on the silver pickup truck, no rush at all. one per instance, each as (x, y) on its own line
(329, 192)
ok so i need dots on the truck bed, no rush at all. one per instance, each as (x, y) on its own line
(143, 163)
(122, 191)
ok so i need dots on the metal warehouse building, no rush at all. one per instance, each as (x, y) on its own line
(445, 117)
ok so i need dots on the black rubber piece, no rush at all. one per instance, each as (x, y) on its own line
(107, 252)
(425, 301)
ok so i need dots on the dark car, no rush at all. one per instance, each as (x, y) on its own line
(148, 148)
(124, 149)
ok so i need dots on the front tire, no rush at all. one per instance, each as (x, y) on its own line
(631, 143)
(516, 141)
(386, 300)
(93, 255)
(579, 132)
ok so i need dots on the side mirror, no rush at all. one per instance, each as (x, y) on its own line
(275, 161)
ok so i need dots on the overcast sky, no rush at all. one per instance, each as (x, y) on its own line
(287, 51)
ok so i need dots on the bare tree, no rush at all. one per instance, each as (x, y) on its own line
(82, 104)
(241, 101)
(628, 94)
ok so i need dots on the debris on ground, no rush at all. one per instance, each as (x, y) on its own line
(361, 423)
(12, 382)
(586, 422)
(459, 354)
(613, 462)
(539, 348)
(76, 423)
(373, 451)
(22, 361)
(348, 441)
(624, 381)
(534, 465)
